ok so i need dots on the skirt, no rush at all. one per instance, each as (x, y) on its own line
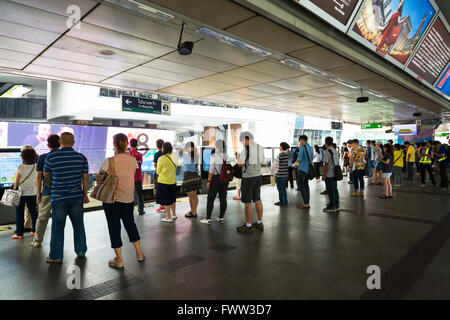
(191, 182)
(167, 194)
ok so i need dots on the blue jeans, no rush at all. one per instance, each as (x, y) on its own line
(358, 180)
(303, 186)
(371, 165)
(282, 183)
(60, 210)
(333, 193)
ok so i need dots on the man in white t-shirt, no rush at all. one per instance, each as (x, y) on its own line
(250, 160)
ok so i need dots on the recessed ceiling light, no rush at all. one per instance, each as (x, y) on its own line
(107, 52)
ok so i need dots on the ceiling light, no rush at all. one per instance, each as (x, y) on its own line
(232, 41)
(375, 94)
(107, 52)
(16, 91)
(142, 6)
(304, 67)
(345, 83)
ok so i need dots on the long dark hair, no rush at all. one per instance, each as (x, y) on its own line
(316, 148)
(192, 153)
(389, 148)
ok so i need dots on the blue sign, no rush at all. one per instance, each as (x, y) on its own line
(146, 105)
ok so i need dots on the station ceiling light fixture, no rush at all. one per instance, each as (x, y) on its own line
(345, 83)
(376, 94)
(233, 41)
(142, 6)
(16, 91)
(304, 67)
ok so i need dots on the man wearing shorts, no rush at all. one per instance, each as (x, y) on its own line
(250, 160)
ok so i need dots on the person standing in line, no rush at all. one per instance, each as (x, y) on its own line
(43, 191)
(425, 155)
(192, 182)
(305, 157)
(282, 174)
(291, 161)
(25, 182)
(317, 162)
(167, 181)
(70, 183)
(374, 157)
(350, 167)
(443, 161)
(345, 159)
(398, 165)
(357, 161)
(295, 166)
(388, 164)
(214, 185)
(238, 181)
(251, 158)
(330, 161)
(159, 144)
(28, 224)
(139, 193)
(369, 159)
(125, 167)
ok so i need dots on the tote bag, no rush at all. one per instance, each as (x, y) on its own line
(106, 189)
(11, 197)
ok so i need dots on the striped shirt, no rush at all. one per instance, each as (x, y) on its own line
(283, 161)
(67, 167)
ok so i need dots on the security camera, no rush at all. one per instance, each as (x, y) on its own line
(184, 48)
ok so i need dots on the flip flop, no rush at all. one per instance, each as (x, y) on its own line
(190, 215)
(303, 207)
(113, 264)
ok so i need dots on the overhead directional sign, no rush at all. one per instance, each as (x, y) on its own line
(372, 126)
(145, 105)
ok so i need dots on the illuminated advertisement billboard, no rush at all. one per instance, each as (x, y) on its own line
(393, 28)
(443, 84)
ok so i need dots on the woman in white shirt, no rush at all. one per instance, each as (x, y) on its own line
(25, 182)
(214, 185)
(317, 162)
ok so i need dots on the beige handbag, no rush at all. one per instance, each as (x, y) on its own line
(106, 189)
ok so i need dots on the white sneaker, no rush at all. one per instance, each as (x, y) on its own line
(205, 221)
(166, 220)
(221, 220)
(174, 217)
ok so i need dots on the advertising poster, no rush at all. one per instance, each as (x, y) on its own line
(443, 85)
(393, 27)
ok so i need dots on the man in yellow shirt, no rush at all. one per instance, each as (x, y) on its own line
(410, 160)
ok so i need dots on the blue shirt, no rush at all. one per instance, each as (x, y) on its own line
(189, 164)
(40, 168)
(67, 167)
(302, 157)
(443, 150)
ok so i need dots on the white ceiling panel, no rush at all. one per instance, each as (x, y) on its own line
(106, 62)
(222, 78)
(253, 75)
(292, 85)
(28, 16)
(15, 56)
(129, 84)
(190, 90)
(66, 65)
(151, 72)
(21, 32)
(12, 64)
(217, 50)
(270, 89)
(120, 20)
(63, 74)
(220, 87)
(59, 6)
(313, 81)
(200, 61)
(93, 49)
(153, 81)
(119, 40)
(20, 45)
(179, 68)
(271, 67)
(252, 92)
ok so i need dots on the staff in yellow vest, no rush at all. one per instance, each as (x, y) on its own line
(425, 154)
(440, 152)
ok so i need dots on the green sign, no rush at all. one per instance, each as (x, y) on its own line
(372, 126)
(442, 134)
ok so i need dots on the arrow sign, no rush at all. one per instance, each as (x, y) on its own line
(145, 105)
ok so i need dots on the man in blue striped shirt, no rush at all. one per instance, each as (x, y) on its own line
(69, 170)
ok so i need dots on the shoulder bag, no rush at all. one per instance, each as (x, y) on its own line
(337, 169)
(11, 197)
(106, 189)
(311, 174)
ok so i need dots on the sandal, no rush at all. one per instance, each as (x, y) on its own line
(141, 259)
(383, 197)
(190, 215)
(113, 264)
(303, 207)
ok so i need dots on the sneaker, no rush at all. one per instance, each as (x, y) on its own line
(258, 226)
(324, 192)
(166, 220)
(16, 237)
(161, 208)
(354, 194)
(220, 220)
(35, 244)
(244, 229)
(205, 221)
(174, 217)
(329, 210)
(277, 203)
(142, 213)
(361, 193)
(236, 198)
(32, 234)
(50, 260)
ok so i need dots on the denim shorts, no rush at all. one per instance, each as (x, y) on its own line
(386, 174)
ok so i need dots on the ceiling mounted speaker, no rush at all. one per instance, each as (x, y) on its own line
(184, 48)
(362, 99)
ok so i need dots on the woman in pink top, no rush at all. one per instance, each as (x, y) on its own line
(122, 209)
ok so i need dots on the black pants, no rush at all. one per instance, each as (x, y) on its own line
(291, 176)
(444, 175)
(410, 169)
(30, 201)
(427, 167)
(120, 211)
(317, 169)
(216, 187)
(139, 194)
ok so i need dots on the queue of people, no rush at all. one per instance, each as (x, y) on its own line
(56, 183)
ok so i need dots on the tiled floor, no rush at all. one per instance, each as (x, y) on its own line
(300, 255)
